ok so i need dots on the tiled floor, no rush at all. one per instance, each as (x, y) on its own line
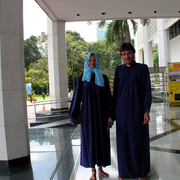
(55, 150)
(165, 147)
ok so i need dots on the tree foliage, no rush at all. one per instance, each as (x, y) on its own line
(31, 51)
(77, 49)
(117, 31)
(104, 55)
(108, 57)
(145, 22)
(76, 36)
(155, 58)
(76, 53)
(37, 75)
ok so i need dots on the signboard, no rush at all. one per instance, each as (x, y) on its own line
(174, 72)
(174, 83)
(28, 88)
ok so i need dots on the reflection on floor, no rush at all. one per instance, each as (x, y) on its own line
(55, 151)
(165, 146)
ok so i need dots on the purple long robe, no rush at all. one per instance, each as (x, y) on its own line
(132, 95)
(95, 109)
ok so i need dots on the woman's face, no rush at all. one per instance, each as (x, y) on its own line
(92, 62)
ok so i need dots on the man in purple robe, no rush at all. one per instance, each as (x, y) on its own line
(93, 91)
(132, 102)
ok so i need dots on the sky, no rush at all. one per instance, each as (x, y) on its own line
(35, 22)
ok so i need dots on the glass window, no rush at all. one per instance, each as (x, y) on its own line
(174, 30)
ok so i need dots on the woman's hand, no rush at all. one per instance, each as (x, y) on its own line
(73, 124)
(110, 122)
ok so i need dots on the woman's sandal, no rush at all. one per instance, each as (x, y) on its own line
(93, 177)
(102, 173)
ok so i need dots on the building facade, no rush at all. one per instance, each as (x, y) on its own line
(160, 34)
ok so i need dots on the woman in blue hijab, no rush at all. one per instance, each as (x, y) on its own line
(93, 96)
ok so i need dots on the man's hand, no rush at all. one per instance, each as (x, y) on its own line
(146, 118)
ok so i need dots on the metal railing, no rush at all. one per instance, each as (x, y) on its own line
(159, 84)
(42, 109)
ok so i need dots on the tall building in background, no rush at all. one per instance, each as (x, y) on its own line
(100, 32)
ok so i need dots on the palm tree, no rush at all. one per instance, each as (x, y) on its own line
(117, 31)
(145, 21)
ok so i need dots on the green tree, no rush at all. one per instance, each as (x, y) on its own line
(76, 53)
(37, 74)
(145, 22)
(109, 58)
(31, 51)
(76, 36)
(155, 58)
(116, 58)
(117, 31)
(104, 54)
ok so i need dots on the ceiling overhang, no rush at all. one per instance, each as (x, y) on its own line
(90, 10)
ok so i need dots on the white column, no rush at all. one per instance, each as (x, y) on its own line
(163, 43)
(14, 140)
(148, 52)
(138, 54)
(141, 55)
(57, 60)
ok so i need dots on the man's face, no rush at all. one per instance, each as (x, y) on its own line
(128, 57)
(92, 62)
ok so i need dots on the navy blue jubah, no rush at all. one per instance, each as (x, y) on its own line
(132, 98)
(95, 110)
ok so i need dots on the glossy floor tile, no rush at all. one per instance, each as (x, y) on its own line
(164, 144)
(53, 153)
(55, 150)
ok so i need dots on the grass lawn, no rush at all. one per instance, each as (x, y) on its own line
(37, 98)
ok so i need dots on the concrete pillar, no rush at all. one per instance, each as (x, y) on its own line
(14, 140)
(141, 55)
(138, 54)
(57, 60)
(148, 52)
(163, 43)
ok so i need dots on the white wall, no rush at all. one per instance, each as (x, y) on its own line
(175, 49)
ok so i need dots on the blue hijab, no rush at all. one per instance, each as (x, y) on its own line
(99, 80)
